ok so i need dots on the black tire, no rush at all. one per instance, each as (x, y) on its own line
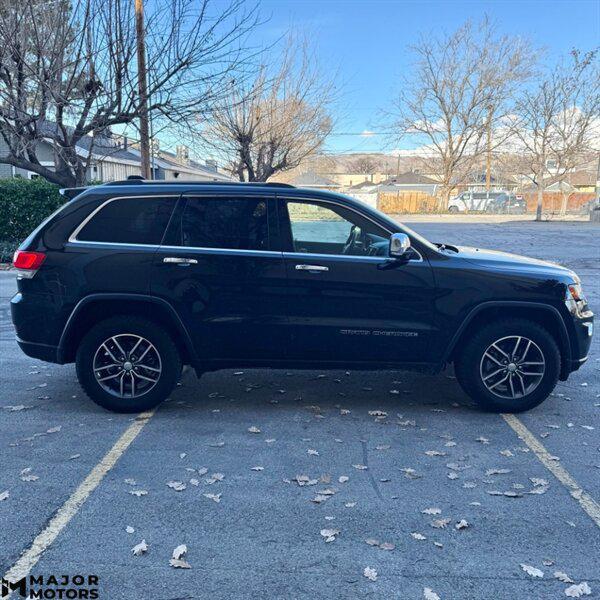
(169, 363)
(453, 209)
(470, 364)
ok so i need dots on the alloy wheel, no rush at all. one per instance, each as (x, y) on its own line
(127, 365)
(512, 367)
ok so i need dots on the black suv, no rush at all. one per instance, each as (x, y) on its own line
(134, 279)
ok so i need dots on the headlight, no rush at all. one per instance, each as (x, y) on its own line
(575, 292)
(575, 298)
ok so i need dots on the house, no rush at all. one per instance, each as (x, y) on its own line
(409, 181)
(115, 158)
(313, 180)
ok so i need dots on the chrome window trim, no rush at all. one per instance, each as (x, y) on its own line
(351, 208)
(221, 250)
(77, 230)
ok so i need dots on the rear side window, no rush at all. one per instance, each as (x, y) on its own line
(129, 221)
(229, 223)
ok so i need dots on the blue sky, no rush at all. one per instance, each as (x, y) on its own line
(365, 42)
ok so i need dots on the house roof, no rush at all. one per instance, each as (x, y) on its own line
(313, 180)
(409, 178)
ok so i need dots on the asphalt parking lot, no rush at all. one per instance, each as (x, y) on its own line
(291, 484)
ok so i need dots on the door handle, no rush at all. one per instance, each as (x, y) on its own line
(312, 268)
(180, 260)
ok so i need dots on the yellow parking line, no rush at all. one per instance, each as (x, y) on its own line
(589, 505)
(70, 508)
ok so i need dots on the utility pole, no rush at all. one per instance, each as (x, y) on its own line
(142, 89)
(488, 154)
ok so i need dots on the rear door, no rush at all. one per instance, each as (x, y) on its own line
(344, 304)
(217, 268)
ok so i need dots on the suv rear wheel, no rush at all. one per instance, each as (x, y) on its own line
(509, 366)
(127, 364)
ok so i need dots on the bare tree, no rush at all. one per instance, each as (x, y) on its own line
(556, 124)
(68, 72)
(276, 119)
(364, 164)
(461, 85)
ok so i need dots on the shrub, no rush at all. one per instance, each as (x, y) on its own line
(24, 204)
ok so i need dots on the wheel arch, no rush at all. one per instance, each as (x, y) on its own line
(97, 307)
(544, 314)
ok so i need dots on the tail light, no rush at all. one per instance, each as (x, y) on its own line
(27, 263)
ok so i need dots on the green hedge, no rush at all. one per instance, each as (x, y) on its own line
(24, 204)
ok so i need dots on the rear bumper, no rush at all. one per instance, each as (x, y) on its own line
(39, 351)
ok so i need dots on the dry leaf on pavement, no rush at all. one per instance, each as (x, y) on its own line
(140, 548)
(533, 571)
(370, 574)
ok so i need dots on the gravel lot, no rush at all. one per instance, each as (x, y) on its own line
(401, 443)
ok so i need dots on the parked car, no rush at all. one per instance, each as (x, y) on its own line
(134, 279)
(491, 202)
(506, 203)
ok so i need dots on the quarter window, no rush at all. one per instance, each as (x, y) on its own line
(129, 221)
(229, 223)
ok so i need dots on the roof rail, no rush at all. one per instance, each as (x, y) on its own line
(70, 193)
(136, 181)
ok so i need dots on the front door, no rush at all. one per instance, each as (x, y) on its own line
(217, 269)
(347, 301)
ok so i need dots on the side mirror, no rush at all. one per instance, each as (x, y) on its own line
(399, 245)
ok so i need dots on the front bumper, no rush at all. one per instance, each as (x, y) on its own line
(581, 340)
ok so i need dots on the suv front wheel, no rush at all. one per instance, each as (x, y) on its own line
(509, 366)
(128, 364)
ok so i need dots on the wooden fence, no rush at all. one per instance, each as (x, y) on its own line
(552, 202)
(406, 202)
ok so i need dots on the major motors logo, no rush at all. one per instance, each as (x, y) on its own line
(52, 587)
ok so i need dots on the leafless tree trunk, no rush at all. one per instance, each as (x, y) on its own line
(555, 125)
(68, 71)
(274, 120)
(460, 82)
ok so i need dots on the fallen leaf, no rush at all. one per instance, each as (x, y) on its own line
(429, 594)
(257, 468)
(54, 429)
(497, 472)
(418, 536)
(360, 467)
(372, 542)
(576, 591)
(129, 529)
(74, 456)
(370, 574)
(562, 577)
(329, 534)
(215, 497)
(138, 493)
(533, 571)
(440, 523)
(178, 563)
(4, 495)
(312, 452)
(178, 486)
(462, 524)
(434, 453)
(140, 548)
(253, 429)
(179, 551)
(432, 511)
(387, 546)
(343, 478)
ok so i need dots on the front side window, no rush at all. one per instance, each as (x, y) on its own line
(129, 221)
(332, 229)
(228, 223)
